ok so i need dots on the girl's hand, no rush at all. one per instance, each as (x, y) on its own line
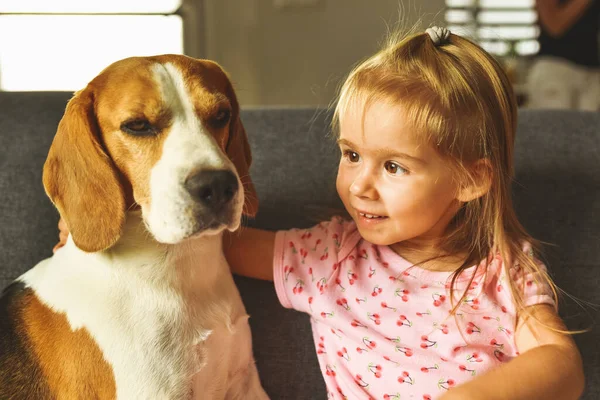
(62, 236)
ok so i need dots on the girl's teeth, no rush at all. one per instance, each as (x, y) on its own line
(371, 216)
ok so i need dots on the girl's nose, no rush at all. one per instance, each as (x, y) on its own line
(363, 186)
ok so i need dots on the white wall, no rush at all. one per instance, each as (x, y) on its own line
(298, 55)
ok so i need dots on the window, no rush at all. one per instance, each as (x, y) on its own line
(502, 27)
(63, 44)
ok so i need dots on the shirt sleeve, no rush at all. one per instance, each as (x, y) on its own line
(533, 285)
(304, 260)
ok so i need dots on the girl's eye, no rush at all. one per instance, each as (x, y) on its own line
(351, 156)
(394, 168)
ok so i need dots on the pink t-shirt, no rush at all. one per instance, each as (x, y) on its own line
(381, 326)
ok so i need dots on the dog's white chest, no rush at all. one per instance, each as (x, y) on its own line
(157, 319)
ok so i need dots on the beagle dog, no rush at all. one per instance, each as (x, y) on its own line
(148, 167)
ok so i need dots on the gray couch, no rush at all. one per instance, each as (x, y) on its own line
(557, 194)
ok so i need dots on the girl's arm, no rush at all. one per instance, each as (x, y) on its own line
(249, 252)
(556, 17)
(549, 366)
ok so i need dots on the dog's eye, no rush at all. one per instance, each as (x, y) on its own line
(138, 127)
(221, 118)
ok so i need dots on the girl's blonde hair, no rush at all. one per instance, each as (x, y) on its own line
(460, 101)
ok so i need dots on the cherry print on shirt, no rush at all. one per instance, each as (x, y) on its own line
(376, 291)
(427, 369)
(322, 285)
(375, 369)
(505, 330)
(287, 270)
(361, 300)
(357, 324)
(372, 271)
(371, 344)
(406, 378)
(420, 314)
(402, 293)
(472, 328)
(442, 327)
(391, 361)
(500, 356)
(317, 243)
(343, 353)
(360, 381)
(326, 315)
(352, 277)
(438, 299)
(459, 348)
(341, 393)
(405, 350)
(403, 321)
(310, 301)
(488, 318)
(446, 383)
(298, 287)
(330, 370)
(391, 396)
(426, 343)
(335, 238)
(343, 303)
(336, 332)
(465, 369)
(306, 235)
(321, 346)
(339, 283)
(361, 350)
(498, 353)
(303, 254)
(474, 357)
(363, 254)
(385, 305)
(325, 254)
(374, 317)
(473, 302)
(426, 397)
(312, 276)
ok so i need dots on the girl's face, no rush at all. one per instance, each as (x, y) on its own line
(395, 188)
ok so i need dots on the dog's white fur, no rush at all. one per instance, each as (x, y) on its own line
(164, 311)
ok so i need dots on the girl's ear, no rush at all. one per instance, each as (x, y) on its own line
(479, 182)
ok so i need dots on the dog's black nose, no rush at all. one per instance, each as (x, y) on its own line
(214, 189)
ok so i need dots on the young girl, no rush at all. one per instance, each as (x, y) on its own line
(431, 289)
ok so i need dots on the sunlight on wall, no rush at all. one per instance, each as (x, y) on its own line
(87, 6)
(65, 52)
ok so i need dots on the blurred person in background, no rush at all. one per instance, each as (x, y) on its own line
(566, 72)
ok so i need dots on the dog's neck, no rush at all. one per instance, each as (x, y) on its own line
(159, 263)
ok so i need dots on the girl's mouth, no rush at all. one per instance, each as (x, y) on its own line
(371, 216)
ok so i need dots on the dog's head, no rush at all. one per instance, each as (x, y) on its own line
(160, 133)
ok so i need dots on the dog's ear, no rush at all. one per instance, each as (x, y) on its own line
(81, 180)
(238, 150)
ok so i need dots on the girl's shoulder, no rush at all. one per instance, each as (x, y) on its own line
(337, 235)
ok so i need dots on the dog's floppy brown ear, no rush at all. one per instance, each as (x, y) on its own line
(81, 180)
(238, 150)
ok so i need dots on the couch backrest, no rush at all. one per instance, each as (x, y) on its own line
(557, 190)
